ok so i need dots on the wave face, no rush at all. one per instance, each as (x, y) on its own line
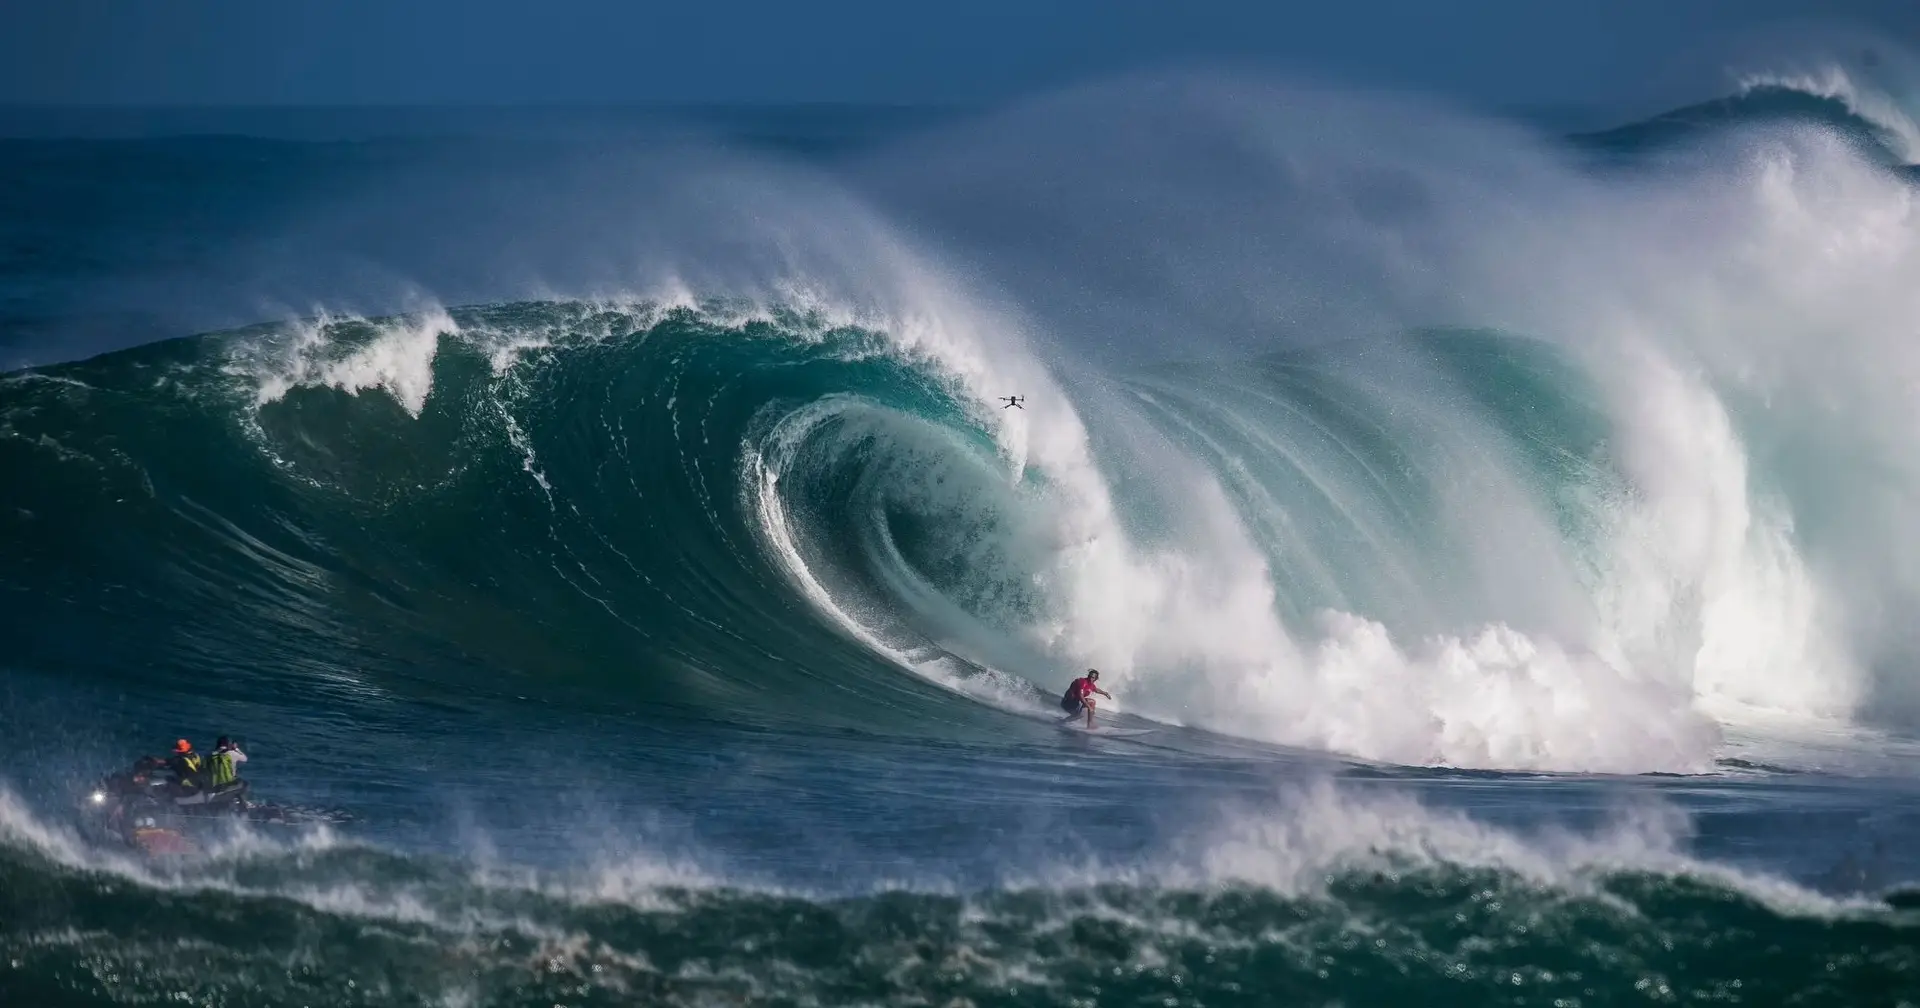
(724, 511)
(451, 492)
(1362, 441)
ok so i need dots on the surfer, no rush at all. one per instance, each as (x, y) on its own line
(1079, 696)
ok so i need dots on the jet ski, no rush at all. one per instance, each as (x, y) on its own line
(143, 810)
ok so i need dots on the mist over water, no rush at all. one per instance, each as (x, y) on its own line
(1597, 579)
(643, 530)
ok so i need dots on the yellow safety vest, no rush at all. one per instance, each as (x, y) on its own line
(223, 769)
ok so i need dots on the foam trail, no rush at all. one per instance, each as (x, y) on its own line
(1296, 845)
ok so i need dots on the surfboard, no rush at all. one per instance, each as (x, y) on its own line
(1075, 726)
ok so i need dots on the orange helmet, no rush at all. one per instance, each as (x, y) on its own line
(183, 746)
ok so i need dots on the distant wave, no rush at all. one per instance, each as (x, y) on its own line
(1875, 106)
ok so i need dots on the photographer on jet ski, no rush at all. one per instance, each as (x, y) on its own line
(223, 766)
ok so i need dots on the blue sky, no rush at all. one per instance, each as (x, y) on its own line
(227, 52)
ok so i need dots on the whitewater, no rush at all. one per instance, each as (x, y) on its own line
(1502, 536)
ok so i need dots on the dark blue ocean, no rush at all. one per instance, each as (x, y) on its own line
(605, 534)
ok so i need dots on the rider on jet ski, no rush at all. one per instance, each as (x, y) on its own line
(209, 779)
(223, 767)
(187, 767)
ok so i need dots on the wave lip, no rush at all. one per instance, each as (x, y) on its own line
(1880, 109)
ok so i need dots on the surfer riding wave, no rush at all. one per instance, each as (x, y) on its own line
(1079, 696)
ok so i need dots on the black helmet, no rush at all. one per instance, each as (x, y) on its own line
(1093, 673)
